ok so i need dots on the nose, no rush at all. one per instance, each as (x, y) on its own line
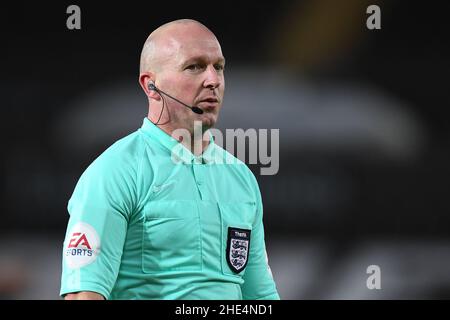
(213, 78)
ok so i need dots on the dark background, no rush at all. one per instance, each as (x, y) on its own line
(363, 119)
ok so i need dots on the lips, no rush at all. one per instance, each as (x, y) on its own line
(209, 103)
(210, 100)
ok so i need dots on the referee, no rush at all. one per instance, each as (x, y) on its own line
(160, 217)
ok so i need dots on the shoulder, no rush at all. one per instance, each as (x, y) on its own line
(237, 167)
(126, 148)
(234, 163)
(121, 159)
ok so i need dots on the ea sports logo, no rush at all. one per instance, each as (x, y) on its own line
(82, 245)
(77, 239)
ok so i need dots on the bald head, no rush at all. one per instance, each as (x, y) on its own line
(184, 58)
(166, 40)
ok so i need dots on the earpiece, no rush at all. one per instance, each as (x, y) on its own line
(151, 86)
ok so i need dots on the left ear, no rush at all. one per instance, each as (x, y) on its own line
(145, 79)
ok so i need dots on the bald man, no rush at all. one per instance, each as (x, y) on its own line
(163, 215)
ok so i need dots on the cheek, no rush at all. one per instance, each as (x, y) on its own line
(188, 90)
(222, 88)
(179, 85)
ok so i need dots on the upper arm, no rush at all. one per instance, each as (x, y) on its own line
(99, 211)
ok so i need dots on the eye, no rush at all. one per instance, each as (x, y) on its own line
(194, 67)
(219, 67)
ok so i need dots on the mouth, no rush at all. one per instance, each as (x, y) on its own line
(209, 99)
(209, 103)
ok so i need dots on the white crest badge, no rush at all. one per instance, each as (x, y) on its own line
(238, 248)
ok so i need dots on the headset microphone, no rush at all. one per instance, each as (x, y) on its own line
(194, 109)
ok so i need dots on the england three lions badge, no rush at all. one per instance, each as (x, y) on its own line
(238, 248)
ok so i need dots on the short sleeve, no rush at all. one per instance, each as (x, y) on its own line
(99, 210)
(258, 279)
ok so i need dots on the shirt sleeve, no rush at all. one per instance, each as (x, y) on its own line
(258, 278)
(99, 210)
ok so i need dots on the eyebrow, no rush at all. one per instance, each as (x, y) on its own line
(202, 58)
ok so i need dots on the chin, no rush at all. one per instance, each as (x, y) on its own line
(207, 126)
(209, 122)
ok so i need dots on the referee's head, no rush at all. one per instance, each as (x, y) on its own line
(184, 59)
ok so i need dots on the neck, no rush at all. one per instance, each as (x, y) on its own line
(194, 139)
(198, 146)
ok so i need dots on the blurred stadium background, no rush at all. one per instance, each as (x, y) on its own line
(363, 119)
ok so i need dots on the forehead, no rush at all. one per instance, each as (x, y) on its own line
(206, 49)
(184, 44)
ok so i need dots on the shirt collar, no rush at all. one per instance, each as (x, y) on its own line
(178, 151)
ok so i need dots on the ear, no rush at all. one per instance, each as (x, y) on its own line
(144, 79)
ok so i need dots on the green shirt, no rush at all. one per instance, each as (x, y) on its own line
(149, 220)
